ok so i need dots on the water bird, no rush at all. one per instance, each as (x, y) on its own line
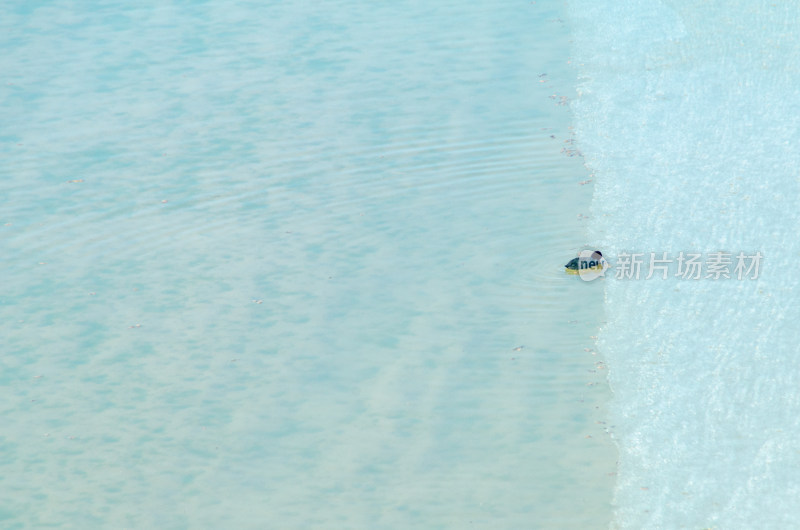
(595, 263)
(572, 265)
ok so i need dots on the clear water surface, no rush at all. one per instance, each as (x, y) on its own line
(295, 265)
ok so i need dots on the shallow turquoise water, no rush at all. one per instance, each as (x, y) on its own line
(294, 266)
(687, 117)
